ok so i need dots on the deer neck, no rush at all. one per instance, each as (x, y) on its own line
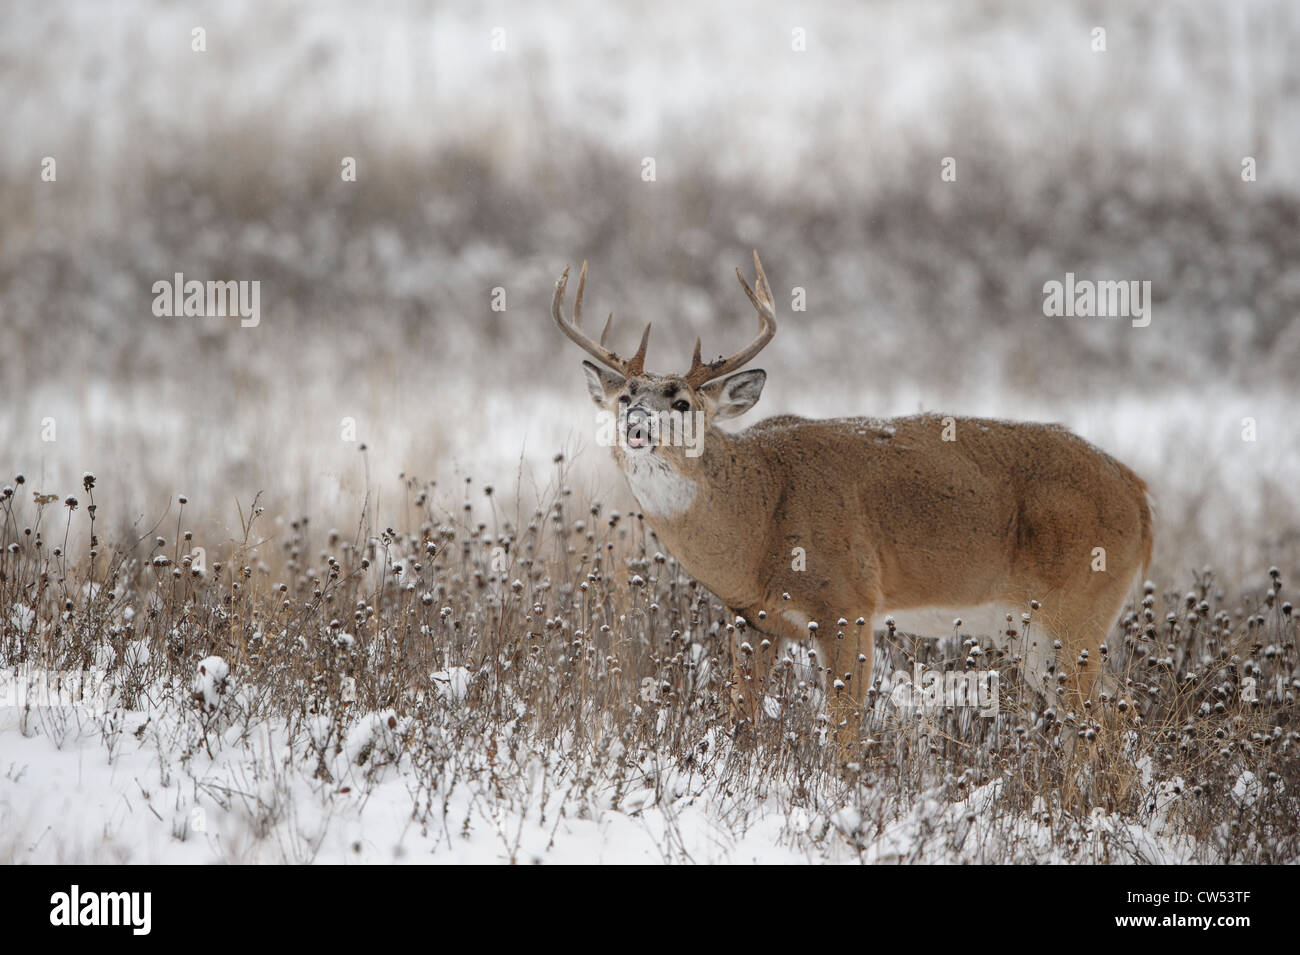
(703, 508)
(666, 494)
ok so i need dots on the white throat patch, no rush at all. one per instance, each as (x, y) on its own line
(657, 487)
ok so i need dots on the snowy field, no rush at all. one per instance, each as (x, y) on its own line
(404, 363)
(144, 789)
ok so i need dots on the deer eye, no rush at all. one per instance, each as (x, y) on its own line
(681, 405)
(623, 399)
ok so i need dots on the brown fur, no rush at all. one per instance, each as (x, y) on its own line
(892, 517)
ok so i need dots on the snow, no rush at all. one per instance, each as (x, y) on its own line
(452, 684)
(211, 682)
(177, 786)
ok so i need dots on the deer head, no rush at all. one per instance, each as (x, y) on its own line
(667, 415)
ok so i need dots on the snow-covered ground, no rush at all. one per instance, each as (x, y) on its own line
(178, 784)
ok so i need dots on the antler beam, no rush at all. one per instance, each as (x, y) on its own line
(628, 367)
(701, 372)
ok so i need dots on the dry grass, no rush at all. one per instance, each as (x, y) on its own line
(567, 641)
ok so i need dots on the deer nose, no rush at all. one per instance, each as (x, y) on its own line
(640, 425)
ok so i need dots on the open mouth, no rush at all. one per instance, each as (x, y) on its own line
(638, 439)
(639, 433)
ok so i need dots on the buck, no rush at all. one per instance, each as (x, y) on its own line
(811, 528)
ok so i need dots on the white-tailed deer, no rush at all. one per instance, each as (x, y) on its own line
(813, 527)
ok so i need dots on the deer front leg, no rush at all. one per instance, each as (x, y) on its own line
(842, 659)
(751, 665)
(845, 657)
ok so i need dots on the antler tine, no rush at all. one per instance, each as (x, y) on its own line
(761, 281)
(636, 364)
(573, 329)
(577, 301)
(763, 301)
(702, 372)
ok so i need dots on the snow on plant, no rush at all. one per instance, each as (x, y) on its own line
(211, 683)
(375, 737)
(452, 684)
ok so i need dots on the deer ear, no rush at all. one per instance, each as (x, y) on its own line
(735, 395)
(601, 383)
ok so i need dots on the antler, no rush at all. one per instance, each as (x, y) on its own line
(701, 372)
(628, 367)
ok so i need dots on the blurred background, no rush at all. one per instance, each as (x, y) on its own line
(496, 142)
